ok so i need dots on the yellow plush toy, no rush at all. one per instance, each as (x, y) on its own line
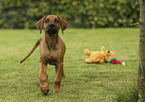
(95, 56)
(101, 56)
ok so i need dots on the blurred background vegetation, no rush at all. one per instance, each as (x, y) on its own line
(79, 13)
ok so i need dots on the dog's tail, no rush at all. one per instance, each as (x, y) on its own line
(33, 49)
(87, 52)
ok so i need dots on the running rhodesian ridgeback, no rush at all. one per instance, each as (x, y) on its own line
(52, 50)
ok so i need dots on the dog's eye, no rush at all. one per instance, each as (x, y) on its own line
(46, 21)
(56, 21)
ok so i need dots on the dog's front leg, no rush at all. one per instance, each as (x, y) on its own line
(57, 81)
(43, 78)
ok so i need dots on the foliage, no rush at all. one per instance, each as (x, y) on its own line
(79, 13)
(83, 82)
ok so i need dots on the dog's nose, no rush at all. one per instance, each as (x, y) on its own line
(51, 25)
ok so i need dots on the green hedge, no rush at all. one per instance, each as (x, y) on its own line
(79, 13)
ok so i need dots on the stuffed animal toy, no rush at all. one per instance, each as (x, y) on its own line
(95, 56)
(111, 58)
(102, 56)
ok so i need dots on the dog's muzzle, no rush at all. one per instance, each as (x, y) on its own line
(51, 29)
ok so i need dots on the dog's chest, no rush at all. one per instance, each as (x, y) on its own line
(52, 60)
(50, 56)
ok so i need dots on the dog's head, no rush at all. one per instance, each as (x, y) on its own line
(51, 24)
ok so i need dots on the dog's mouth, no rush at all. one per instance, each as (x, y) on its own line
(51, 29)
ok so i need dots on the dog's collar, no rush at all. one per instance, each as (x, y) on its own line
(110, 59)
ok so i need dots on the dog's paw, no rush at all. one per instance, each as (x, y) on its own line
(45, 90)
(56, 91)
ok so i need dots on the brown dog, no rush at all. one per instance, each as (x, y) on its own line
(52, 50)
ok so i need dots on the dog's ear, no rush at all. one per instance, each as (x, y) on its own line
(63, 24)
(39, 24)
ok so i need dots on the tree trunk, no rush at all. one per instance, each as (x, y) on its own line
(141, 73)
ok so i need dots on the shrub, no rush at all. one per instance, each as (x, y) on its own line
(79, 13)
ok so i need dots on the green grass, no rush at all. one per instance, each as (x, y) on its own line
(83, 82)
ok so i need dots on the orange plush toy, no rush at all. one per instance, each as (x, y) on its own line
(95, 56)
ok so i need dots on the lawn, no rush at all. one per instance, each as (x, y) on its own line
(83, 82)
